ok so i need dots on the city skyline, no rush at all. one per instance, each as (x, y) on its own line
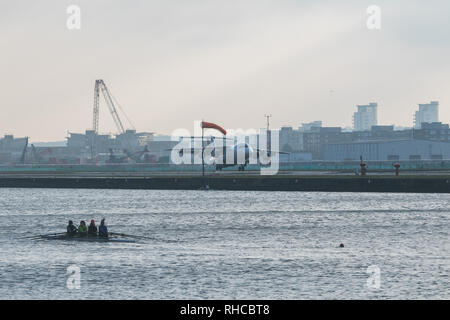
(300, 126)
(169, 64)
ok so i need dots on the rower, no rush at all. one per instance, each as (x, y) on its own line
(71, 229)
(92, 230)
(102, 229)
(82, 229)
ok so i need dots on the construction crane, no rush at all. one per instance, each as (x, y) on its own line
(101, 86)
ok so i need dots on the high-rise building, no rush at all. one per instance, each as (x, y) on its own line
(365, 117)
(427, 113)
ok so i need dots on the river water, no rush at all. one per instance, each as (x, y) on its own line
(227, 245)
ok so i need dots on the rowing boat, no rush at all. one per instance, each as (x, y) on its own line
(112, 237)
(85, 239)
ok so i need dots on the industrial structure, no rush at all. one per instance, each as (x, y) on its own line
(91, 147)
(125, 147)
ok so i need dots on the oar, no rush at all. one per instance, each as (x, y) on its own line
(130, 236)
(43, 235)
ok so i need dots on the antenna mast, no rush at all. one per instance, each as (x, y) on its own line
(268, 116)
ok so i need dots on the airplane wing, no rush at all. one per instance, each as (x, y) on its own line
(206, 138)
(271, 151)
(188, 150)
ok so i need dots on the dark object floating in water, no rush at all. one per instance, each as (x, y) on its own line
(341, 245)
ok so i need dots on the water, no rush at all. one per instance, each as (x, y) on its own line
(228, 245)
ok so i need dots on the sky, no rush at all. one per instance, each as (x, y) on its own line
(172, 62)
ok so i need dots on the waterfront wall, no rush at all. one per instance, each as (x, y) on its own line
(348, 166)
(419, 184)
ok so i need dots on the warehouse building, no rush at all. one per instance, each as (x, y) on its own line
(394, 150)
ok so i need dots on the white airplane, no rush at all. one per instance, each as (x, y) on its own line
(222, 156)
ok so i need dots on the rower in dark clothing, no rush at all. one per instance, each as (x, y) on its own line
(102, 229)
(71, 229)
(92, 229)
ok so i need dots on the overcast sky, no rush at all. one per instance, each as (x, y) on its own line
(170, 63)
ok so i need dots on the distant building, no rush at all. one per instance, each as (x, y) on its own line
(315, 140)
(399, 128)
(132, 140)
(82, 143)
(430, 142)
(435, 131)
(428, 112)
(365, 117)
(307, 126)
(9, 143)
(102, 141)
(76, 141)
(385, 132)
(393, 150)
(129, 140)
(347, 129)
(290, 140)
(11, 148)
(162, 138)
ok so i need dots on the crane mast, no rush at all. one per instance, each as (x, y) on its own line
(96, 107)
